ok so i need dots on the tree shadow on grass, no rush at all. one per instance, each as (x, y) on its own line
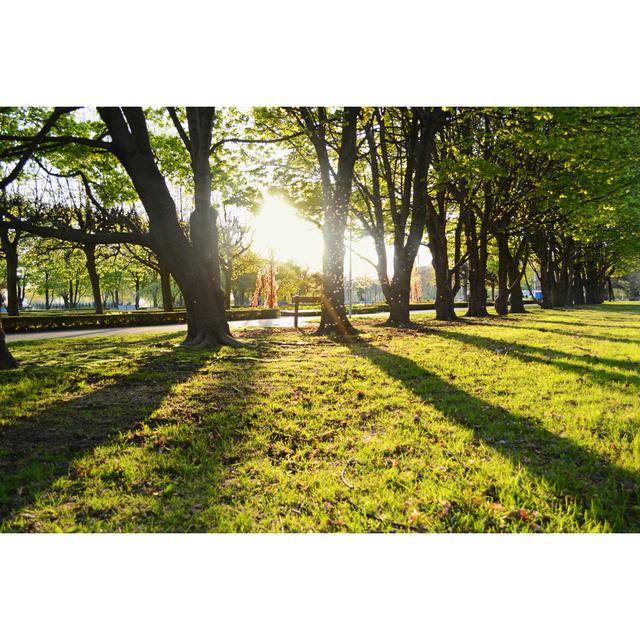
(587, 336)
(582, 365)
(575, 473)
(36, 450)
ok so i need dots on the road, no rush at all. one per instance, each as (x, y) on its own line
(169, 328)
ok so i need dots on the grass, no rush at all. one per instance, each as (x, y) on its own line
(527, 423)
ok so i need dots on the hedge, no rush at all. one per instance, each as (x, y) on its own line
(33, 322)
(382, 308)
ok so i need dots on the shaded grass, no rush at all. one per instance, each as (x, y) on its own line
(488, 425)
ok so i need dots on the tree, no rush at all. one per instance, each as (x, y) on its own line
(9, 250)
(336, 183)
(394, 190)
(23, 155)
(235, 241)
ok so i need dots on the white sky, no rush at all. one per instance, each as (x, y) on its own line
(278, 227)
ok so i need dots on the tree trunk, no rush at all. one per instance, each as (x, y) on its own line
(165, 285)
(336, 212)
(610, 290)
(13, 299)
(594, 286)
(546, 281)
(334, 313)
(476, 243)
(578, 288)
(445, 309)
(502, 300)
(137, 289)
(94, 278)
(47, 301)
(516, 300)
(561, 298)
(436, 231)
(7, 361)
(399, 292)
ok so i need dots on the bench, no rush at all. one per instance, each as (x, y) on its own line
(304, 299)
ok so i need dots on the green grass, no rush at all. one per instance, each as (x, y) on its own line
(528, 423)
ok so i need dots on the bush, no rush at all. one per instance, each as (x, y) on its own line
(35, 322)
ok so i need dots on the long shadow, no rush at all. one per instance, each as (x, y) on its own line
(38, 449)
(613, 325)
(588, 336)
(602, 488)
(543, 355)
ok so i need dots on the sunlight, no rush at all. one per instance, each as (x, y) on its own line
(277, 227)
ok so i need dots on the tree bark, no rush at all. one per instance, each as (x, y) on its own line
(47, 301)
(477, 251)
(399, 292)
(7, 361)
(440, 262)
(90, 259)
(516, 300)
(11, 258)
(137, 290)
(578, 287)
(502, 299)
(165, 285)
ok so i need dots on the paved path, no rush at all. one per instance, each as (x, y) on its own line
(285, 321)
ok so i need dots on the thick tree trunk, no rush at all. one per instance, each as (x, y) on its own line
(399, 292)
(594, 286)
(165, 286)
(47, 301)
(502, 299)
(336, 212)
(561, 289)
(334, 313)
(445, 309)
(94, 278)
(436, 231)
(137, 289)
(7, 361)
(546, 283)
(516, 300)
(578, 288)
(13, 299)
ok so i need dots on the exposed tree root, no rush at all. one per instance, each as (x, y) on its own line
(206, 341)
(400, 324)
(7, 361)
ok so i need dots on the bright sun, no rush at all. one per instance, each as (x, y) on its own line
(277, 227)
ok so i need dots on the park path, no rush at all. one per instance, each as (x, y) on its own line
(285, 321)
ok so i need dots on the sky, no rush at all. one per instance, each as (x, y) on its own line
(279, 227)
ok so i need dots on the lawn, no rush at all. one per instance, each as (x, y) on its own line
(527, 423)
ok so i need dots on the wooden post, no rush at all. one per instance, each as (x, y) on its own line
(296, 301)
